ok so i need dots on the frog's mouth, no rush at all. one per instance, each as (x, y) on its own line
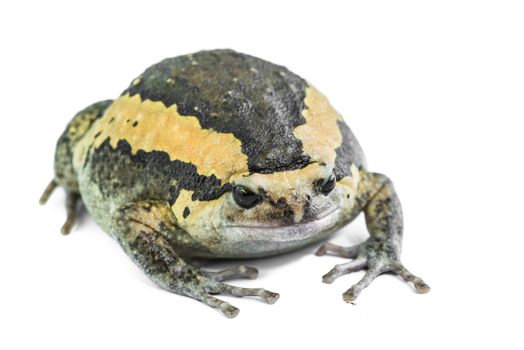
(286, 233)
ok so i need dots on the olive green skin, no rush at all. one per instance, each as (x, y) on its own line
(165, 203)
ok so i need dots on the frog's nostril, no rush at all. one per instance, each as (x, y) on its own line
(281, 203)
(292, 215)
(289, 216)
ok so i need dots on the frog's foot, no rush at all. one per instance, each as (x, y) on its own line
(71, 203)
(213, 285)
(210, 284)
(232, 273)
(377, 257)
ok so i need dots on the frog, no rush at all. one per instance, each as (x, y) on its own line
(223, 155)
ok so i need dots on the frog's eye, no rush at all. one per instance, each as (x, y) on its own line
(245, 197)
(327, 185)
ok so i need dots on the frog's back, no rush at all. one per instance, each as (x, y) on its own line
(190, 122)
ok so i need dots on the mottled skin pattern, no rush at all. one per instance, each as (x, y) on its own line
(160, 169)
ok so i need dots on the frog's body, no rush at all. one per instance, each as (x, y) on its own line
(223, 155)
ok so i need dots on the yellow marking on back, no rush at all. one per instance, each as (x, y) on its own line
(320, 135)
(162, 128)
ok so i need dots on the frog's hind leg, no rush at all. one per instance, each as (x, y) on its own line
(65, 175)
(72, 199)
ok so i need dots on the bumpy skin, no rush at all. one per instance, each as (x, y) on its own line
(157, 167)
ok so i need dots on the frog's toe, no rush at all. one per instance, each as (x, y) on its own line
(343, 252)
(72, 199)
(265, 295)
(352, 293)
(420, 286)
(211, 287)
(381, 267)
(47, 192)
(71, 204)
(224, 307)
(343, 269)
(236, 272)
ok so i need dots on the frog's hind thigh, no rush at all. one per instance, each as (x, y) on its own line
(65, 175)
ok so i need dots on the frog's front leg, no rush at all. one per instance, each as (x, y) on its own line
(148, 233)
(381, 251)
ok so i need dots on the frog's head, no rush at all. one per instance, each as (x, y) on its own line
(274, 212)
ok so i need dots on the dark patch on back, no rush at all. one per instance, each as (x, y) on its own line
(158, 177)
(349, 152)
(135, 124)
(186, 212)
(259, 102)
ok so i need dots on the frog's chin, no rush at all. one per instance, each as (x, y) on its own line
(298, 232)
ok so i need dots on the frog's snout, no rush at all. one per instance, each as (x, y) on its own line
(294, 213)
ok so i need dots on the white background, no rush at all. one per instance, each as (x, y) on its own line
(434, 92)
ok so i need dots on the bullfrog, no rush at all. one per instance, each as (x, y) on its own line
(219, 154)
